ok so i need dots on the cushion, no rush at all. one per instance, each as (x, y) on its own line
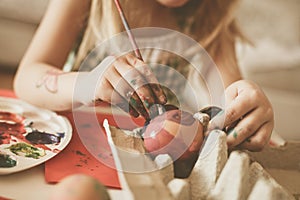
(29, 11)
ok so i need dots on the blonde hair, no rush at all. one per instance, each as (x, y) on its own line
(211, 21)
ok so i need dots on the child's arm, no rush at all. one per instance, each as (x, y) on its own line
(244, 102)
(39, 78)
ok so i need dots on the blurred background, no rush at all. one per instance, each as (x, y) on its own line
(273, 61)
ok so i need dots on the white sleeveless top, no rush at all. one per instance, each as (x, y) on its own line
(180, 64)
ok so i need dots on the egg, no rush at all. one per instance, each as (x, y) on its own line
(178, 134)
(79, 187)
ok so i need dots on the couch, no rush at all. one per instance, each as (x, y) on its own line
(274, 60)
(18, 22)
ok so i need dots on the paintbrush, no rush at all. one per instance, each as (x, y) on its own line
(128, 31)
(157, 109)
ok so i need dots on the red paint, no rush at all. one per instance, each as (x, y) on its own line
(7, 116)
(11, 125)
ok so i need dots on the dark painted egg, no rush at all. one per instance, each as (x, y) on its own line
(211, 111)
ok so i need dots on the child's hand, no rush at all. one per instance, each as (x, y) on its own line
(126, 82)
(249, 117)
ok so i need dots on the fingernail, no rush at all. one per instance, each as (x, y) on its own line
(162, 99)
(211, 126)
(203, 118)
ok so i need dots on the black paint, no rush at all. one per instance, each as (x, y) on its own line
(37, 137)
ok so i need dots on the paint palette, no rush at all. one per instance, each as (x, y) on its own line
(29, 135)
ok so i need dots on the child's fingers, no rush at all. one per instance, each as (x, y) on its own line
(257, 141)
(238, 108)
(146, 71)
(129, 109)
(107, 93)
(246, 127)
(234, 111)
(127, 91)
(139, 84)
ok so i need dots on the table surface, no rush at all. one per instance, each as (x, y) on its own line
(30, 184)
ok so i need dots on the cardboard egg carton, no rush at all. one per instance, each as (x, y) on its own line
(216, 175)
(283, 164)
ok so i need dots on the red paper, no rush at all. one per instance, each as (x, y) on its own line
(3, 198)
(88, 151)
(76, 158)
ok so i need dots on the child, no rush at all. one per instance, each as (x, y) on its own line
(41, 80)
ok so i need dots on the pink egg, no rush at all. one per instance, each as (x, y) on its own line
(178, 134)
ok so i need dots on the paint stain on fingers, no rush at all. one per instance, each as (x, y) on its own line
(133, 82)
(146, 96)
(136, 103)
(233, 133)
(237, 137)
(137, 82)
(158, 92)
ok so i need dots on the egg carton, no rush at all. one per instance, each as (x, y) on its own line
(216, 175)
